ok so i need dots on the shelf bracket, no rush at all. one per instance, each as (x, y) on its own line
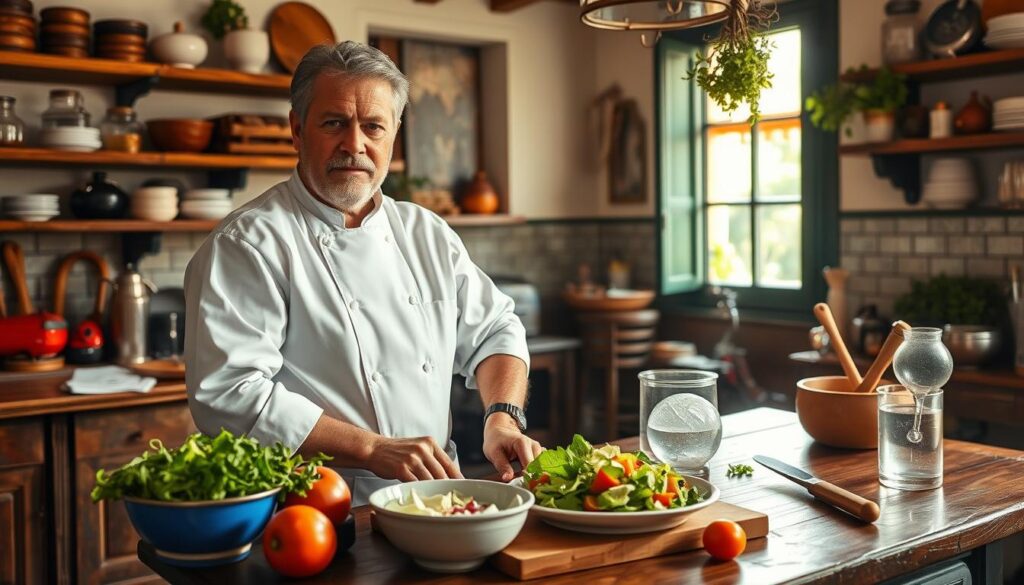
(903, 171)
(135, 245)
(125, 94)
(233, 179)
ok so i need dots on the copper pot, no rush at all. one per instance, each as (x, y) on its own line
(480, 197)
(975, 117)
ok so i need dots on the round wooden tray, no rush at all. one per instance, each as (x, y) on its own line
(295, 28)
(34, 365)
(622, 300)
(161, 369)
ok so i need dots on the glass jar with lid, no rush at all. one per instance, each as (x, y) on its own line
(66, 109)
(12, 129)
(121, 130)
(900, 40)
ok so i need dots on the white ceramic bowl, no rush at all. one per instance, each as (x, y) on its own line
(207, 194)
(156, 192)
(154, 213)
(453, 544)
(179, 49)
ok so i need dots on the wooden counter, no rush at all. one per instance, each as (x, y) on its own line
(980, 502)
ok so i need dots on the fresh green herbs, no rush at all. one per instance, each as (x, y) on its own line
(735, 70)
(882, 91)
(952, 300)
(208, 468)
(604, 479)
(224, 16)
(740, 470)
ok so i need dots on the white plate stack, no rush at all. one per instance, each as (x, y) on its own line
(206, 203)
(35, 207)
(155, 203)
(73, 138)
(951, 184)
(1008, 114)
(1006, 31)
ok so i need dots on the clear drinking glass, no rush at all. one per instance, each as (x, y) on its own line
(679, 420)
(902, 463)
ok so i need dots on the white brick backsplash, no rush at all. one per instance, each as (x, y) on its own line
(879, 225)
(986, 225)
(40, 264)
(100, 241)
(986, 267)
(181, 258)
(863, 284)
(879, 264)
(929, 245)
(894, 244)
(967, 245)
(851, 263)
(916, 225)
(851, 226)
(1015, 225)
(894, 285)
(177, 241)
(946, 225)
(167, 279)
(862, 244)
(911, 266)
(59, 242)
(947, 266)
(161, 261)
(1006, 245)
(26, 240)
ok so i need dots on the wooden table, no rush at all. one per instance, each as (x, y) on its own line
(981, 502)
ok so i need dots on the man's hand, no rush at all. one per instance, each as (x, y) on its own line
(503, 443)
(410, 460)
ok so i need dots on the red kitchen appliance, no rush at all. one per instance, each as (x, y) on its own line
(86, 345)
(39, 336)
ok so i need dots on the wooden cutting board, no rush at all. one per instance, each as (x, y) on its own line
(541, 550)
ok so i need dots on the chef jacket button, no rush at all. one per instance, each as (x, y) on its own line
(354, 305)
(387, 238)
(325, 240)
(413, 300)
(375, 377)
(427, 367)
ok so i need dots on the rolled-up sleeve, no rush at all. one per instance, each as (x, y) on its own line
(235, 323)
(487, 323)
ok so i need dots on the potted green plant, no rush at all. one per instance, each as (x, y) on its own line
(245, 49)
(877, 97)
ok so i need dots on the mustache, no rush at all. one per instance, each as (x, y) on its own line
(351, 162)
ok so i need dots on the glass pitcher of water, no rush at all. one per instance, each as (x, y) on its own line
(679, 420)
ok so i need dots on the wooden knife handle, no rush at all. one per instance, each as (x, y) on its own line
(824, 315)
(849, 502)
(884, 358)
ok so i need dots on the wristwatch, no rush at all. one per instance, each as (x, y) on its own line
(517, 414)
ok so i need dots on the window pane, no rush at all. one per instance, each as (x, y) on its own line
(678, 244)
(729, 247)
(778, 246)
(778, 160)
(728, 164)
(784, 95)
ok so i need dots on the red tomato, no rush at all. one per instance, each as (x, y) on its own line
(724, 539)
(329, 494)
(665, 499)
(544, 478)
(590, 504)
(299, 541)
(602, 481)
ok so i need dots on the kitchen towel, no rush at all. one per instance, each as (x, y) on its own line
(108, 380)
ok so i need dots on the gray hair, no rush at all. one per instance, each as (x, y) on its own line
(347, 58)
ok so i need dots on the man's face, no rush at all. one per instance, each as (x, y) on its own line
(346, 140)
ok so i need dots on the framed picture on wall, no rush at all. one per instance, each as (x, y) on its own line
(627, 164)
(442, 123)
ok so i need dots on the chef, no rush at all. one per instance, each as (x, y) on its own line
(329, 317)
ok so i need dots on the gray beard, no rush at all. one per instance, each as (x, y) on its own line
(349, 196)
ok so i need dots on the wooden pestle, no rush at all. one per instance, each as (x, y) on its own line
(884, 358)
(824, 315)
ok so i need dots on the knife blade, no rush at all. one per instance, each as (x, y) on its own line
(829, 493)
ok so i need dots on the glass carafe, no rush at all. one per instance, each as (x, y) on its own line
(66, 109)
(922, 363)
(12, 129)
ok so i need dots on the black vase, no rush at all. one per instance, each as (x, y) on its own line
(100, 199)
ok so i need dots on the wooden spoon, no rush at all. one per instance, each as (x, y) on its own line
(16, 267)
(884, 358)
(824, 315)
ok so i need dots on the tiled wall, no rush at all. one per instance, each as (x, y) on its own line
(544, 253)
(885, 254)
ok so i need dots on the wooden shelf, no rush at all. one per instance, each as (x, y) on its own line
(496, 219)
(974, 65)
(146, 159)
(69, 70)
(107, 225)
(926, 145)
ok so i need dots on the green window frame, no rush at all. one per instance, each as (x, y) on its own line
(680, 170)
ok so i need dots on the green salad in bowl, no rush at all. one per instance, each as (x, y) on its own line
(585, 478)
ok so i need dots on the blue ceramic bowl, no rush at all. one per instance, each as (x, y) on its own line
(202, 534)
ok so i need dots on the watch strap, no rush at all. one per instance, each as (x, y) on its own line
(517, 413)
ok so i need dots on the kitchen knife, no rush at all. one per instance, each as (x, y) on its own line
(849, 502)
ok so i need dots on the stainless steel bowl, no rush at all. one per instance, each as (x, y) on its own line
(972, 345)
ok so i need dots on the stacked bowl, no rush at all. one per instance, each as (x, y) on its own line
(206, 203)
(155, 203)
(1008, 114)
(35, 207)
(71, 138)
(1006, 31)
(123, 40)
(65, 31)
(951, 184)
(17, 26)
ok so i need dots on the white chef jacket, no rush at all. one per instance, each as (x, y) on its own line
(289, 314)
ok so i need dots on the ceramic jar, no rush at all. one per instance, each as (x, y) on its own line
(179, 48)
(247, 50)
(100, 199)
(480, 197)
(975, 117)
(880, 125)
(940, 121)
(12, 129)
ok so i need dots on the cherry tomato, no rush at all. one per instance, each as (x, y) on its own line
(329, 494)
(299, 541)
(590, 504)
(544, 478)
(602, 481)
(724, 539)
(665, 499)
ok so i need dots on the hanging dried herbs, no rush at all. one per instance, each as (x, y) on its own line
(735, 70)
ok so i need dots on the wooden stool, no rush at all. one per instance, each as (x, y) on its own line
(613, 341)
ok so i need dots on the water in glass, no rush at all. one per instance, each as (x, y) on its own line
(679, 420)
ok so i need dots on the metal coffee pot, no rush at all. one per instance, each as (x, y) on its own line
(129, 316)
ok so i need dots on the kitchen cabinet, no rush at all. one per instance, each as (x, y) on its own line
(23, 511)
(105, 538)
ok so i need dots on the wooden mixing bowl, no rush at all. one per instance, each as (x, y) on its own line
(836, 417)
(180, 135)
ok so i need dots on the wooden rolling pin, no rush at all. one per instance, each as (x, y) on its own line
(824, 315)
(884, 358)
(15, 260)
